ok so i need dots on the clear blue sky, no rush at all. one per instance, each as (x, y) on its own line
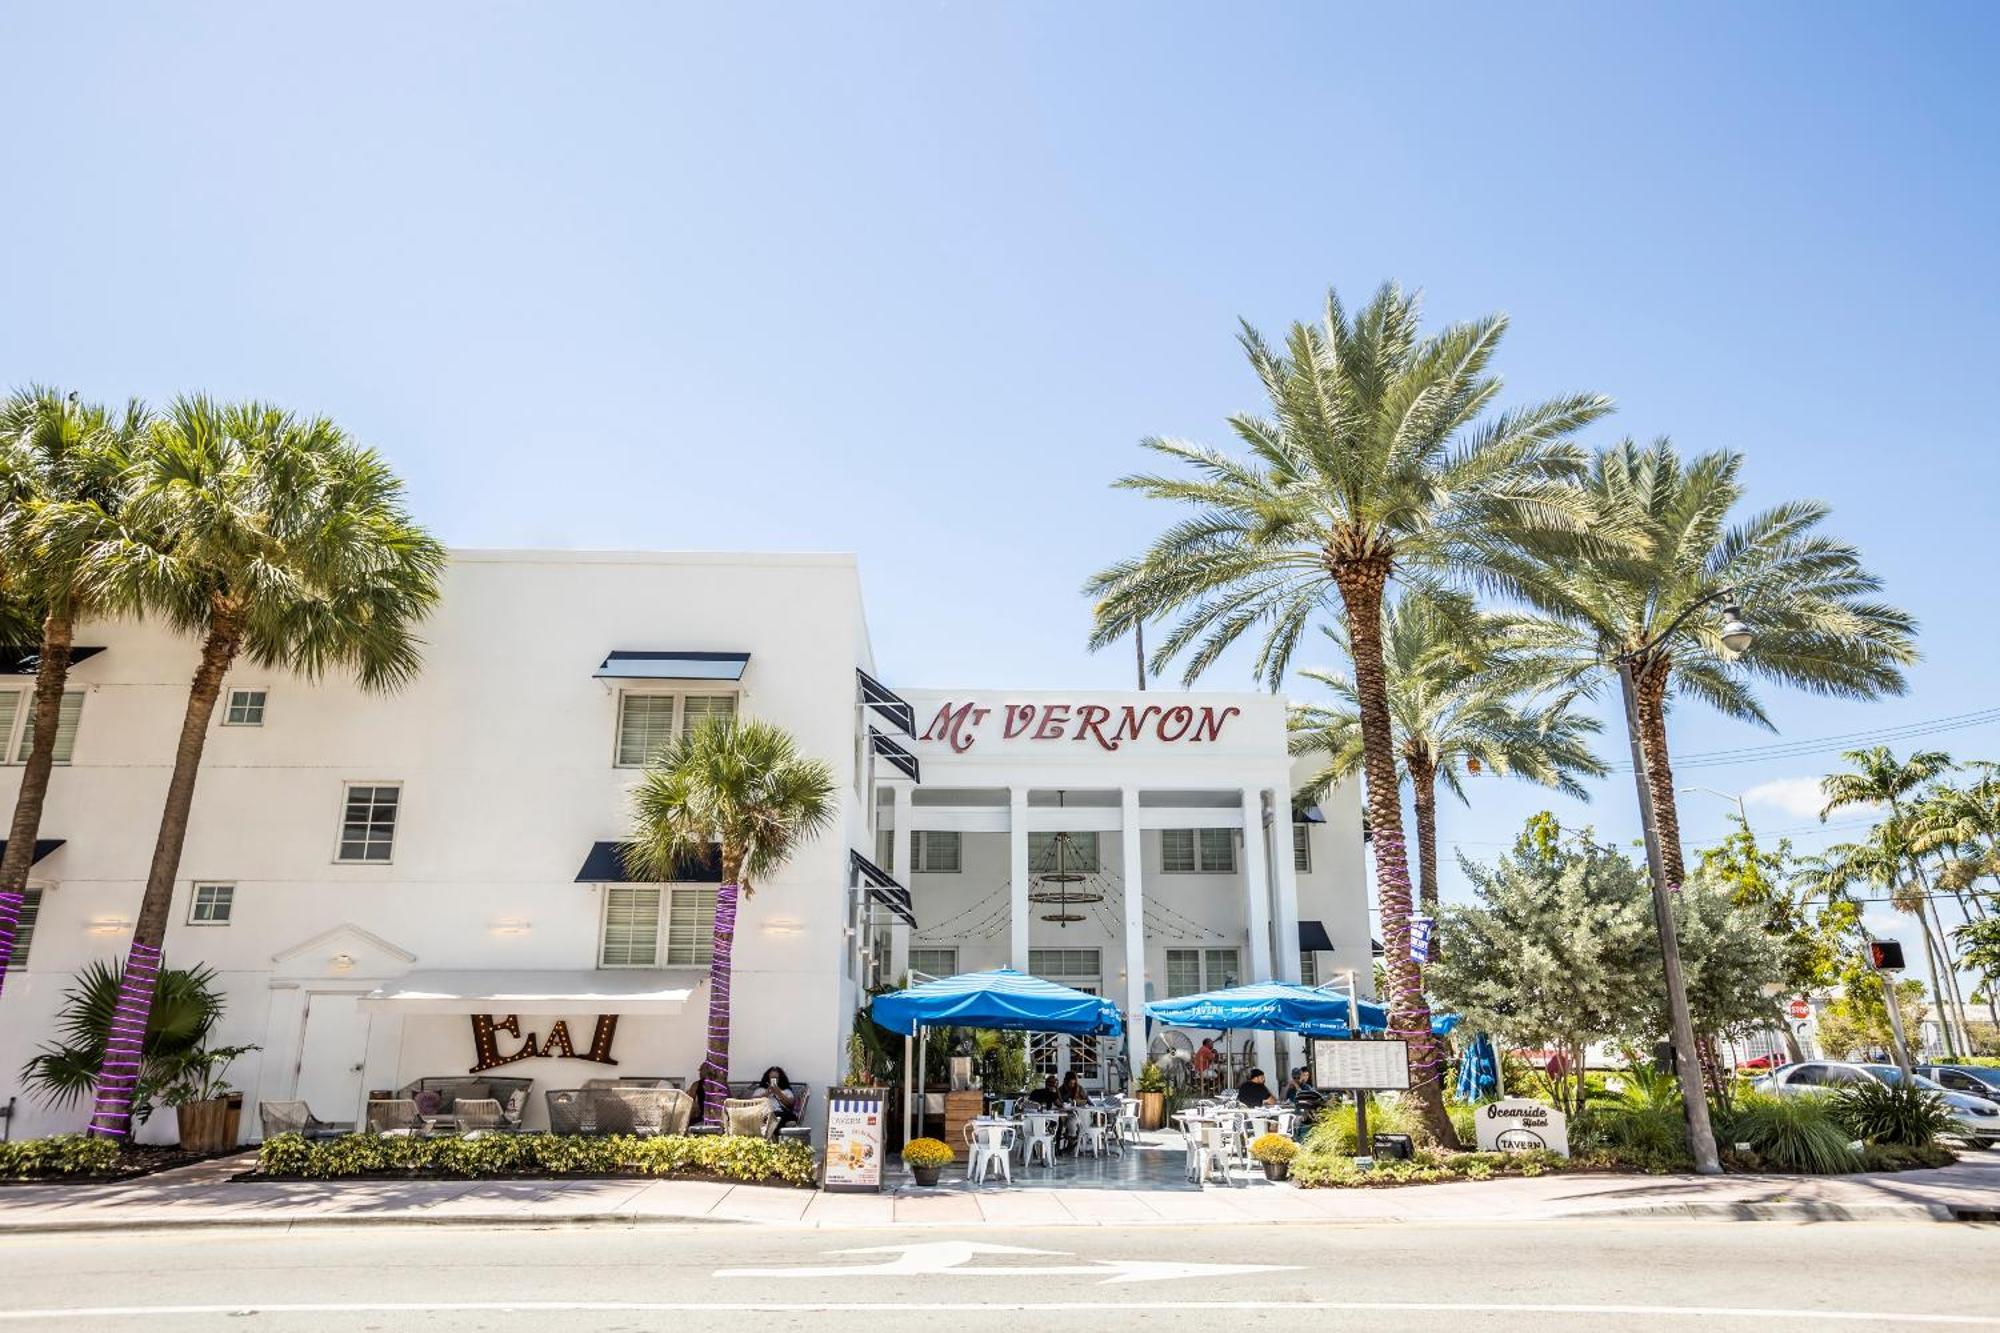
(911, 280)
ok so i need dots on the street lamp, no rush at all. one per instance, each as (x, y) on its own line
(1736, 637)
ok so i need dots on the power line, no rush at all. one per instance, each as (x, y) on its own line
(1826, 744)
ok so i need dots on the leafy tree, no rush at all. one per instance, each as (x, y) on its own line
(1764, 882)
(1979, 948)
(186, 1008)
(63, 488)
(742, 789)
(268, 536)
(1558, 952)
(1809, 597)
(1857, 1022)
(1459, 700)
(1727, 958)
(1379, 458)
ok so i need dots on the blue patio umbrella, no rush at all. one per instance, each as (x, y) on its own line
(1279, 1006)
(1478, 1070)
(1002, 999)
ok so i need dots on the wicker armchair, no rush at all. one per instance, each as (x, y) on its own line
(297, 1118)
(396, 1115)
(476, 1114)
(747, 1117)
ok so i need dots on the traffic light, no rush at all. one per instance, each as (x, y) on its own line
(1886, 955)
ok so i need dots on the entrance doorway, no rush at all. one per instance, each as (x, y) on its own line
(332, 1051)
(1055, 1053)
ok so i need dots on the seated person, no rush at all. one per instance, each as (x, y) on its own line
(775, 1088)
(1047, 1097)
(1254, 1093)
(1299, 1089)
(1072, 1090)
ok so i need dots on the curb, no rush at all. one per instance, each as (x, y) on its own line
(1788, 1211)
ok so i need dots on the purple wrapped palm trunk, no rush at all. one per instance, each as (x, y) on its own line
(715, 1067)
(10, 921)
(118, 1079)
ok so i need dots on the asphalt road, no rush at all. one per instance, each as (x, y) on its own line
(1542, 1276)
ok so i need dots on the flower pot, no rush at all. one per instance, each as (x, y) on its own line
(1152, 1110)
(204, 1126)
(1275, 1171)
(926, 1175)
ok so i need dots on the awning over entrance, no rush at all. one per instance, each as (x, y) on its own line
(524, 992)
(27, 661)
(43, 846)
(605, 864)
(1313, 937)
(672, 666)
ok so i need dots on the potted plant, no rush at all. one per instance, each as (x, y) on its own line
(1152, 1089)
(925, 1158)
(200, 1096)
(1275, 1152)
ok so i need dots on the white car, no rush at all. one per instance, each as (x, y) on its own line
(1978, 1117)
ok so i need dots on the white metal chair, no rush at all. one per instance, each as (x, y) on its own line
(1092, 1132)
(991, 1145)
(1214, 1153)
(1041, 1139)
(1128, 1119)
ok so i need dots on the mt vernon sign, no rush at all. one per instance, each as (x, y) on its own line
(960, 725)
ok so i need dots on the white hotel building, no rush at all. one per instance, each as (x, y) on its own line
(367, 874)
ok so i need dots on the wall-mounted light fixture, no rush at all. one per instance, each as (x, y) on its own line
(511, 925)
(341, 962)
(783, 925)
(109, 925)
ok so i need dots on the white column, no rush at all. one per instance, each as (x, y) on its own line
(1257, 912)
(1130, 868)
(1017, 878)
(1285, 879)
(903, 863)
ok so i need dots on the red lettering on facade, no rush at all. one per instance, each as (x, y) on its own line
(1053, 718)
(1018, 718)
(1180, 714)
(1209, 728)
(1090, 720)
(953, 726)
(1133, 724)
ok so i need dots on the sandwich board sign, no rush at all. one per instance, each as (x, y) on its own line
(854, 1136)
(1516, 1124)
(1349, 1065)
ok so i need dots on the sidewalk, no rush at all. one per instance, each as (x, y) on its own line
(203, 1195)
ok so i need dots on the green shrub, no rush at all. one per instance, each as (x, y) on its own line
(1427, 1166)
(1793, 1134)
(1898, 1157)
(58, 1155)
(1904, 1115)
(754, 1160)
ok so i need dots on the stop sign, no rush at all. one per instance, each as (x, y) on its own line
(1800, 1009)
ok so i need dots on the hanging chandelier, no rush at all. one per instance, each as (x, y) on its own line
(1065, 885)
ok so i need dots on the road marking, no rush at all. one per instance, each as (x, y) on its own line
(973, 1307)
(954, 1257)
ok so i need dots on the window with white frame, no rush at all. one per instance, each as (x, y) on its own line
(17, 724)
(1309, 968)
(244, 708)
(648, 722)
(1302, 854)
(211, 904)
(1081, 855)
(24, 928)
(934, 851)
(1055, 964)
(652, 925)
(1206, 851)
(1191, 971)
(934, 962)
(368, 822)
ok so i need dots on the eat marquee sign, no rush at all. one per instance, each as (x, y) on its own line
(486, 1030)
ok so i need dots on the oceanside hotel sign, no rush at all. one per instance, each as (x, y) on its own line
(1515, 1124)
(961, 725)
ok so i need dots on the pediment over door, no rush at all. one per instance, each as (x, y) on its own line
(344, 951)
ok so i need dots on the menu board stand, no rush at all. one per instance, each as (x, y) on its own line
(854, 1140)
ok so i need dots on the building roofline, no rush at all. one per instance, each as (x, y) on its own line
(554, 556)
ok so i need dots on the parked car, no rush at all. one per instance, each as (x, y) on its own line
(1975, 1079)
(1978, 1117)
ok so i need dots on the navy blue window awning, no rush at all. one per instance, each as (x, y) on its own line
(1313, 937)
(43, 846)
(672, 666)
(606, 865)
(27, 661)
(1308, 814)
(882, 887)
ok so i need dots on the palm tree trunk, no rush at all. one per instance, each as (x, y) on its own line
(1423, 786)
(1361, 585)
(118, 1078)
(1651, 697)
(1937, 992)
(50, 676)
(722, 947)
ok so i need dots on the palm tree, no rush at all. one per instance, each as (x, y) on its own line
(1809, 596)
(1879, 779)
(1378, 460)
(742, 790)
(1456, 698)
(1979, 942)
(62, 489)
(1961, 825)
(268, 536)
